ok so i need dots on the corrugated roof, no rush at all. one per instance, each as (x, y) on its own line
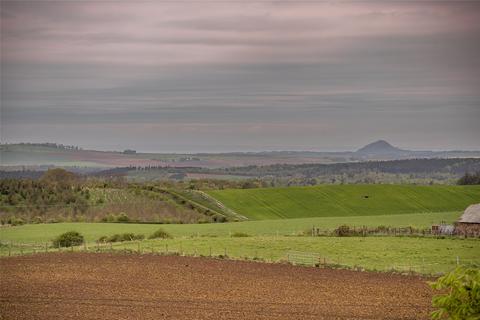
(471, 214)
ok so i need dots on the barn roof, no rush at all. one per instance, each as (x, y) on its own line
(471, 214)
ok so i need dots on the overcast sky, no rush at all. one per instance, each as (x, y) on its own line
(196, 76)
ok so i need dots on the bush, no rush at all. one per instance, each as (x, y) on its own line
(463, 298)
(14, 221)
(160, 234)
(103, 239)
(123, 217)
(109, 218)
(219, 218)
(240, 235)
(343, 231)
(37, 220)
(122, 237)
(68, 239)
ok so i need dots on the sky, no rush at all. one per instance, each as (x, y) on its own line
(224, 75)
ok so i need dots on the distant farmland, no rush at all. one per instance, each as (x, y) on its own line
(345, 200)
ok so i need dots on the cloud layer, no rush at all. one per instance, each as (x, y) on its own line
(216, 76)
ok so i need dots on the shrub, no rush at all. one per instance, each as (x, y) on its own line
(123, 237)
(462, 301)
(103, 239)
(160, 234)
(37, 220)
(139, 237)
(219, 218)
(123, 217)
(343, 231)
(14, 221)
(109, 218)
(240, 235)
(68, 239)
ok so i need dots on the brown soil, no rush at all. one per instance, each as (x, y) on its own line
(115, 286)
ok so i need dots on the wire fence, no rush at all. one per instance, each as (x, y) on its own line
(300, 258)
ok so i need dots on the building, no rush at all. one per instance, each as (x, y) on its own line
(469, 222)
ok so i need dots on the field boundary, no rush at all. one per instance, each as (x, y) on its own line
(298, 258)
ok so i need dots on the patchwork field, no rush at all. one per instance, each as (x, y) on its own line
(345, 200)
(84, 286)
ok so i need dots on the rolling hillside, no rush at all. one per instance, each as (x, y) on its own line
(345, 200)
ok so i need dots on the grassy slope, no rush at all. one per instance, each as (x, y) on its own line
(346, 200)
(92, 231)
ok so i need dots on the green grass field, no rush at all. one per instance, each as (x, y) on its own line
(92, 231)
(422, 255)
(345, 200)
(271, 240)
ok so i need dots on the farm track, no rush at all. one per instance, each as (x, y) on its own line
(116, 286)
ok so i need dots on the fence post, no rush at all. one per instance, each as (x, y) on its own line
(224, 252)
(458, 261)
(46, 247)
(166, 248)
(85, 246)
(138, 245)
(210, 251)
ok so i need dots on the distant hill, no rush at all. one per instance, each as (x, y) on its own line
(32, 155)
(380, 147)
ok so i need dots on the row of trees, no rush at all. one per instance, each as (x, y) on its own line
(469, 178)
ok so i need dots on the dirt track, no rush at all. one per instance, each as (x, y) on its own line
(114, 286)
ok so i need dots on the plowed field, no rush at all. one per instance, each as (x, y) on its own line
(115, 286)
